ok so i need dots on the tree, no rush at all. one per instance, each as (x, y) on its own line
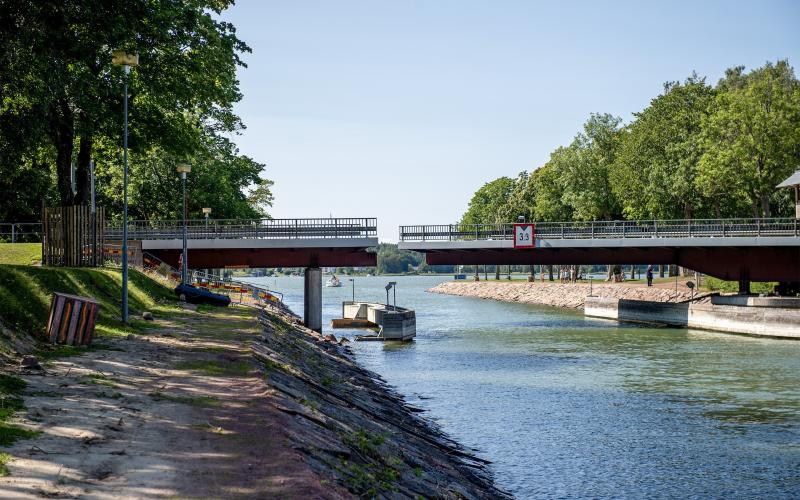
(751, 139)
(582, 169)
(549, 193)
(182, 94)
(391, 260)
(654, 173)
(520, 200)
(487, 202)
(580, 172)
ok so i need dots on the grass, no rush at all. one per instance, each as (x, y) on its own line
(25, 294)
(100, 379)
(4, 459)
(11, 402)
(201, 401)
(216, 368)
(22, 254)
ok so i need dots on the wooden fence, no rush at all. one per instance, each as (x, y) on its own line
(73, 236)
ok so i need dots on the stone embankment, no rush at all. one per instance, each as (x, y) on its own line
(557, 294)
(353, 429)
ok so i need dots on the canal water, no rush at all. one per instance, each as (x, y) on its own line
(571, 407)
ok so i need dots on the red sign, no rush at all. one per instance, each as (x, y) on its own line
(524, 236)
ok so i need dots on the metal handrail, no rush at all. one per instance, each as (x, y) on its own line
(325, 228)
(677, 228)
(15, 232)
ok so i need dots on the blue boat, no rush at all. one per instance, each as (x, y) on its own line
(196, 295)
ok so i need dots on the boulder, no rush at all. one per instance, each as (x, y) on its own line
(147, 316)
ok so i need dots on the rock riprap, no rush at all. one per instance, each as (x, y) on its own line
(353, 428)
(556, 294)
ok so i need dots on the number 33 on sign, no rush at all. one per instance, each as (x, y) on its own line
(524, 236)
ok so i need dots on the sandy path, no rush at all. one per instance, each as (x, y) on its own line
(181, 412)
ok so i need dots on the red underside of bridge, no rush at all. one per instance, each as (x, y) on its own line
(270, 257)
(728, 263)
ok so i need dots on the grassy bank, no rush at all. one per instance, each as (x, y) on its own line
(24, 254)
(25, 293)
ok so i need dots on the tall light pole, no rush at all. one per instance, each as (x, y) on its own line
(127, 61)
(184, 169)
(351, 280)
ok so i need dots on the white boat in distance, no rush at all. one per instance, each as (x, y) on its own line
(333, 282)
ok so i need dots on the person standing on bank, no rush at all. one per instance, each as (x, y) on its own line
(649, 275)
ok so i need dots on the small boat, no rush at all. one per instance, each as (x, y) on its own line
(333, 282)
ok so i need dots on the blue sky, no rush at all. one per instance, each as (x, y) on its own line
(401, 110)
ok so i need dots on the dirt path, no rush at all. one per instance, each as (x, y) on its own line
(181, 412)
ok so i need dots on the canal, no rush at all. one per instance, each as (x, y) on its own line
(571, 407)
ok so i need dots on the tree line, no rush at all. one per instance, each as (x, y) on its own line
(61, 107)
(696, 151)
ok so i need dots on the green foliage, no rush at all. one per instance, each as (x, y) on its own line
(657, 164)
(391, 260)
(751, 139)
(61, 104)
(485, 205)
(718, 285)
(583, 169)
(548, 200)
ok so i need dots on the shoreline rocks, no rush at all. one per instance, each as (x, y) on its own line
(353, 428)
(566, 295)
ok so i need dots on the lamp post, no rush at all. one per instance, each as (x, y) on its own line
(184, 169)
(127, 61)
(351, 280)
(206, 213)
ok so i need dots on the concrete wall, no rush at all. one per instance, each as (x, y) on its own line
(751, 320)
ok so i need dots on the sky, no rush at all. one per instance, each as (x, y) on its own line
(401, 109)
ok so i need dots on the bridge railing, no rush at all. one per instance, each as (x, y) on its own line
(248, 229)
(682, 228)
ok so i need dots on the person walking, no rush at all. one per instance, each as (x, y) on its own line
(649, 275)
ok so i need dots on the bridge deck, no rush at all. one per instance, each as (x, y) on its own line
(258, 243)
(733, 249)
(590, 230)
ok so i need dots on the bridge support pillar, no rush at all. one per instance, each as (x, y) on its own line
(744, 286)
(312, 299)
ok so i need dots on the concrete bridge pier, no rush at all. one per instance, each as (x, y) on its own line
(312, 299)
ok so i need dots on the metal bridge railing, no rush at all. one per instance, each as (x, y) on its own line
(248, 229)
(20, 232)
(683, 228)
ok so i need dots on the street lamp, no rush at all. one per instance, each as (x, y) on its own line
(206, 213)
(351, 280)
(127, 61)
(183, 169)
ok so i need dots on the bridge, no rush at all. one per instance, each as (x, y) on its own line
(216, 243)
(741, 250)
(220, 243)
